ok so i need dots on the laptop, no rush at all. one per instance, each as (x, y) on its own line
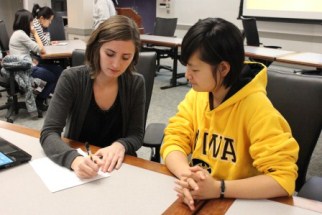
(11, 155)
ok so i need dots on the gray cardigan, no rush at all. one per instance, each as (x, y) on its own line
(21, 44)
(69, 106)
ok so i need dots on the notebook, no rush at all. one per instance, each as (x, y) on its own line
(11, 155)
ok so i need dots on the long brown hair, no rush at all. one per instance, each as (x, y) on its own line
(115, 28)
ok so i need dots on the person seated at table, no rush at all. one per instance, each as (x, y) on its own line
(101, 103)
(43, 17)
(21, 44)
(227, 140)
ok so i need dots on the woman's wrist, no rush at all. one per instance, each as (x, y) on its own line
(76, 162)
(217, 188)
(119, 145)
(222, 189)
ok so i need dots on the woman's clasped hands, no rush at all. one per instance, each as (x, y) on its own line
(196, 185)
(106, 159)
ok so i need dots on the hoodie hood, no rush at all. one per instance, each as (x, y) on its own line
(252, 79)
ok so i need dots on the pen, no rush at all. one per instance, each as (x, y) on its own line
(88, 150)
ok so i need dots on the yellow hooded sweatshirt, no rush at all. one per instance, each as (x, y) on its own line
(244, 136)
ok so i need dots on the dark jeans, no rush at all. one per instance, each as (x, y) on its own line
(49, 73)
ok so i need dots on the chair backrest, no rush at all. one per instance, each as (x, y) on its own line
(299, 99)
(63, 14)
(250, 31)
(147, 67)
(4, 39)
(165, 26)
(78, 57)
(57, 29)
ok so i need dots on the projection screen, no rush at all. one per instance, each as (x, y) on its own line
(283, 9)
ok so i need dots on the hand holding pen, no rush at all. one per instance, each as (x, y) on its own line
(84, 167)
(88, 150)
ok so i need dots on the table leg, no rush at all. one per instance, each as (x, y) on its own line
(175, 75)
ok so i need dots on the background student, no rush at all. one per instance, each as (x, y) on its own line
(42, 20)
(21, 44)
(101, 103)
(102, 10)
(43, 17)
(240, 145)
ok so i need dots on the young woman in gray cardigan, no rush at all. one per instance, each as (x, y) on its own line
(101, 103)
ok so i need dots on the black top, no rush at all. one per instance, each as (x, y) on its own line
(102, 127)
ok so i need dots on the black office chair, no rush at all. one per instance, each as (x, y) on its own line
(154, 132)
(63, 14)
(8, 82)
(57, 28)
(78, 57)
(312, 189)
(146, 66)
(4, 45)
(4, 39)
(162, 27)
(299, 99)
(250, 32)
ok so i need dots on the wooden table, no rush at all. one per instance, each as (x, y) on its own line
(63, 51)
(222, 205)
(283, 56)
(153, 166)
(139, 187)
(263, 53)
(215, 206)
(171, 42)
(302, 58)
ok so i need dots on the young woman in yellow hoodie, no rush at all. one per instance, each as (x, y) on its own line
(240, 146)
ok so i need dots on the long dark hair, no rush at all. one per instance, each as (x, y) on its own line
(217, 40)
(45, 12)
(22, 21)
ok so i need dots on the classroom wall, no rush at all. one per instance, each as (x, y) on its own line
(7, 12)
(80, 19)
(28, 4)
(291, 36)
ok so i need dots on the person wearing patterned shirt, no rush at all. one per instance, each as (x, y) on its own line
(42, 19)
(46, 69)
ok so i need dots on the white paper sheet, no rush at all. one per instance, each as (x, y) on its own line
(56, 177)
(60, 44)
(265, 207)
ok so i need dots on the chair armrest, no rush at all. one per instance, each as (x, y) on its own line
(153, 136)
(316, 71)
